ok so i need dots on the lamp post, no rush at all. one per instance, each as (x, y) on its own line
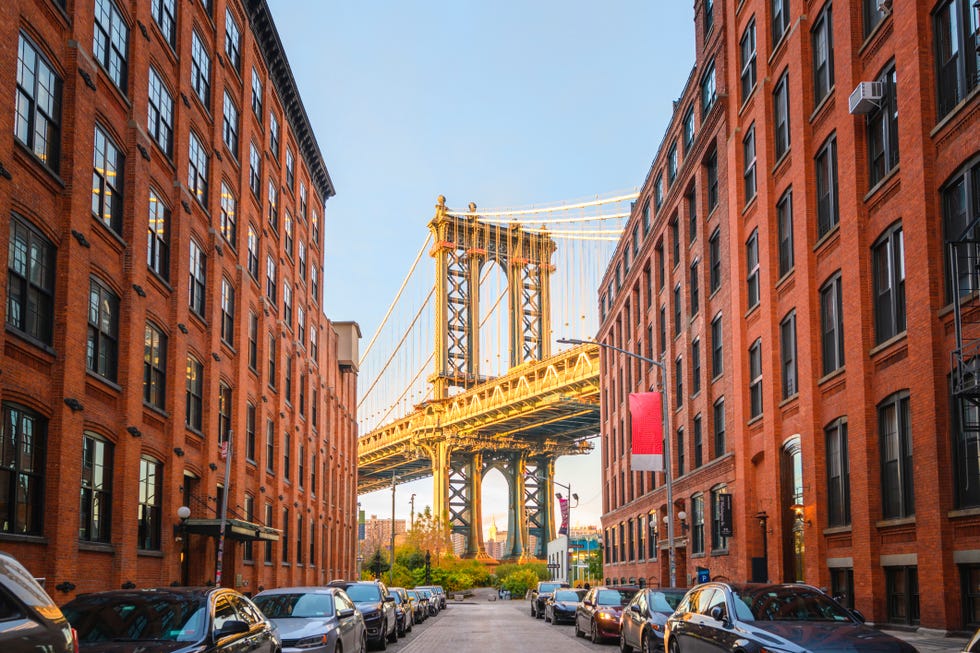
(568, 534)
(391, 569)
(667, 475)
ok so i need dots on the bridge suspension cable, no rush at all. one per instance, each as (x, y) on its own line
(545, 209)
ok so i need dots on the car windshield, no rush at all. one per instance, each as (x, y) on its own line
(397, 597)
(567, 595)
(299, 605)
(791, 604)
(665, 601)
(168, 618)
(547, 588)
(613, 597)
(364, 593)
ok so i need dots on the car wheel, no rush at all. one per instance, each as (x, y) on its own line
(646, 642)
(337, 648)
(674, 646)
(623, 646)
(393, 637)
(594, 630)
(578, 633)
(382, 642)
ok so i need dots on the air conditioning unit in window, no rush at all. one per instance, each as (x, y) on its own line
(866, 97)
(884, 6)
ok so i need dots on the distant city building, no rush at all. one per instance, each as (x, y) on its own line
(377, 534)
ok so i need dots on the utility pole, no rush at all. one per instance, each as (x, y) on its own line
(411, 523)
(391, 569)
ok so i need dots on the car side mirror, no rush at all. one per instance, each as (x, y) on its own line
(635, 608)
(857, 615)
(389, 599)
(587, 602)
(718, 614)
(232, 627)
(344, 614)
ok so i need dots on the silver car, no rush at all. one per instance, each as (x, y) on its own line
(314, 619)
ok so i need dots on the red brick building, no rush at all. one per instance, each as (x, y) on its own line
(162, 197)
(810, 377)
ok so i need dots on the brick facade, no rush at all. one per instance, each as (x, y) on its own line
(95, 380)
(878, 544)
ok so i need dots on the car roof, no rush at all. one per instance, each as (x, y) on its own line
(301, 589)
(172, 593)
(18, 580)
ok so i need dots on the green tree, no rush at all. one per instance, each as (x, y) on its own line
(519, 582)
(429, 533)
(377, 564)
(595, 564)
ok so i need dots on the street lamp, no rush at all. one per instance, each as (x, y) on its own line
(568, 534)
(667, 475)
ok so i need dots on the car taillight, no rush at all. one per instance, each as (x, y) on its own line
(74, 639)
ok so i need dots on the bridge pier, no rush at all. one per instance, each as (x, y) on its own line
(540, 504)
(439, 453)
(516, 544)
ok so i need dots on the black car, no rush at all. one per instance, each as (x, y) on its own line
(170, 620)
(644, 620)
(784, 618)
(437, 592)
(421, 603)
(560, 606)
(404, 610)
(540, 594)
(314, 619)
(431, 600)
(378, 607)
(29, 620)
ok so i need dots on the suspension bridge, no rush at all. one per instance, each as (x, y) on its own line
(482, 323)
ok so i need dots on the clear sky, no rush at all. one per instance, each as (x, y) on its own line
(503, 103)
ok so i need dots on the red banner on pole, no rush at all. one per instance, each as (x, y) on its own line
(563, 505)
(647, 415)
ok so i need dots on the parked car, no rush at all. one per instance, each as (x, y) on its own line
(598, 614)
(172, 619)
(540, 594)
(377, 606)
(644, 619)
(560, 606)
(29, 620)
(430, 599)
(404, 610)
(314, 619)
(974, 644)
(793, 618)
(438, 592)
(421, 603)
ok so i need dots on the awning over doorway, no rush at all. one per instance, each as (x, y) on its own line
(236, 529)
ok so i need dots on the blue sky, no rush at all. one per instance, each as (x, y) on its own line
(503, 103)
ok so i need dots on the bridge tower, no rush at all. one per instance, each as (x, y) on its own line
(464, 245)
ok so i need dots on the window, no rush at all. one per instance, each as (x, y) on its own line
(752, 269)
(823, 54)
(270, 446)
(680, 451)
(299, 538)
(698, 442)
(894, 431)
(274, 135)
(827, 209)
(780, 20)
(37, 118)
(291, 170)
(961, 210)
(253, 252)
(301, 465)
(256, 95)
(708, 90)
(695, 366)
(200, 70)
(678, 382)
(787, 341)
(658, 192)
(163, 14)
(714, 260)
(270, 279)
(842, 585)
(268, 522)
(717, 358)
(780, 105)
(254, 170)
(287, 227)
(154, 366)
(250, 432)
(197, 171)
(784, 220)
(709, 17)
(672, 164)
(748, 164)
(110, 41)
(697, 524)
(965, 418)
(150, 498)
(160, 113)
(718, 541)
(248, 552)
(273, 207)
(314, 353)
(711, 173)
(747, 52)
(838, 474)
(883, 129)
(315, 228)
(224, 412)
(300, 323)
(287, 304)
(233, 40)
(874, 13)
(23, 441)
(228, 220)
(675, 241)
(692, 215)
(103, 330)
(832, 324)
(95, 509)
(284, 548)
(719, 427)
(272, 361)
(888, 259)
(107, 181)
(301, 256)
(663, 329)
(288, 382)
(230, 129)
(197, 279)
(194, 396)
(695, 289)
(285, 455)
(253, 341)
(158, 239)
(303, 204)
(315, 283)
(677, 310)
(755, 379)
(30, 281)
(956, 35)
(902, 588)
(227, 312)
(688, 128)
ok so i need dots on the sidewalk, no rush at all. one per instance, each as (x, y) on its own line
(929, 642)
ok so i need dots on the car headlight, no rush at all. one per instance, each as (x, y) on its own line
(312, 642)
(607, 615)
